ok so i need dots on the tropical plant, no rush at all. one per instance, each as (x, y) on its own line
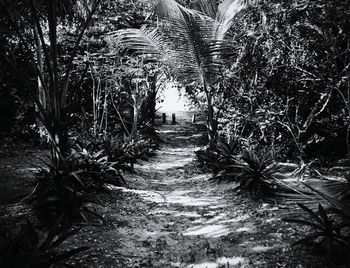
(329, 232)
(53, 87)
(328, 209)
(29, 248)
(333, 194)
(126, 152)
(58, 197)
(223, 154)
(96, 168)
(252, 173)
(208, 159)
(228, 151)
(70, 188)
(193, 42)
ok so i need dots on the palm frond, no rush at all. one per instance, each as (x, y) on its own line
(188, 39)
(207, 7)
(226, 14)
(144, 41)
(186, 32)
(342, 205)
(328, 193)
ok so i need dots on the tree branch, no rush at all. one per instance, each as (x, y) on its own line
(42, 40)
(25, 43)
(74, 51)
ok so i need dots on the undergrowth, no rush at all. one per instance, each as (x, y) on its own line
(32, 248)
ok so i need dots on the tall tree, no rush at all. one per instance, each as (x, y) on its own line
(192, 41)
(54, 85)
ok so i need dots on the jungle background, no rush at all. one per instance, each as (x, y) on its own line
(255, 173)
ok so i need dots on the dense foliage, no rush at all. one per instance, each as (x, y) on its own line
(273, 78)
(290, 77)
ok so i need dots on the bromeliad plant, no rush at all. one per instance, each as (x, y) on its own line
(331, 226)
(31, 249)
(125, 153)
(252, 173)
(224, 153)
(96, 169)
(69, 189)
(329, 233)
(228, 151)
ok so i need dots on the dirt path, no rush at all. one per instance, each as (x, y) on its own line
(188, 224)
(170, 216)
(173, 217)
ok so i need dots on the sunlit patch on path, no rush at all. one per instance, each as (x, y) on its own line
(187, 221)
(215, 230)
(170, 158)
(222, 262)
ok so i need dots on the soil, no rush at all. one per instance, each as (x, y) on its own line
(171, 215)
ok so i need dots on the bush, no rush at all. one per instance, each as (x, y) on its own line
(69, 189)
(252, 173)
(225, 153)
(124, 152)
(31, 249)
(328, 217)
(329, 234)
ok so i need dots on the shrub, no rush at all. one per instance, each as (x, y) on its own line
(225, 153)
(328, 232)
(126, 153)
(123, 152)
(29, 248)
(252, 173)
(69, 188)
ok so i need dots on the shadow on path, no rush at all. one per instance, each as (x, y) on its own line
(187, 221)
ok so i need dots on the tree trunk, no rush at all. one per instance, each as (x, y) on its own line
(348, 142)
(134, 121)
(211, 122)
(135, 111)
(41, 92)
(347, 105)
(152, 105)
(59, 143)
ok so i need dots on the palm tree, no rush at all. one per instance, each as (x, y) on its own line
(192, 41)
